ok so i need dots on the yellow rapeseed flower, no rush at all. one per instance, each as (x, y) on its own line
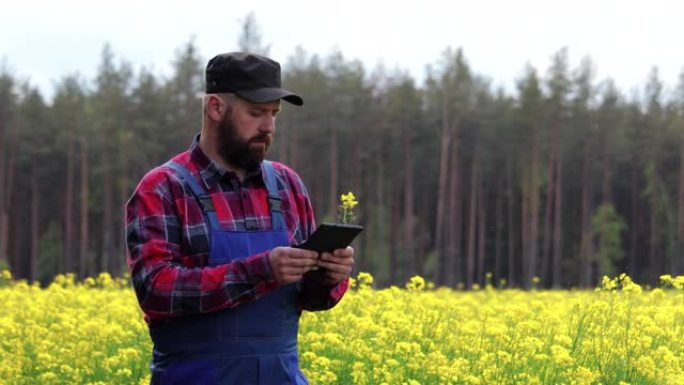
(364, 280)
(348, 203)
(416, 283)
(92, 332)
(678, 282)
(349, 200)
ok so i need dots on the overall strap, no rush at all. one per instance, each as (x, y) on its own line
(274, 200)
(203, 198)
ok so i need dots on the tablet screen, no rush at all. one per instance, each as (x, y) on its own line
(331, 236)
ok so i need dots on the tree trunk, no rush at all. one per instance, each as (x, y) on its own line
(5, 191)
(409, 241)
(4, 228)
(422, 239)
(586, 241)
(4, 238)
(119, 242)
(284, 141)
(107, 218)
(356, 167)
(382, 201)
(84, 262)
(9, 195)
(35, 225)
(445, 265)
(634, 226)
(472, 219)
(356, 179)
(498, 226)
(525, 227)
(6, 188)
(677, 267)
(395, 272)
(557, 220)
(653, 247)
(607, 196)
(68, 249)
(317, 188)
(455, 218)
(548, 211)
(334, 187)
(534, 208)
(482, 229)
(511, 222)
(124, 192)
(293, 144)
(20, 241)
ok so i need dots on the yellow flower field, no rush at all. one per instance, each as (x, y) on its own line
(92, 332)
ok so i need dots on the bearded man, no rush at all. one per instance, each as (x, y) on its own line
(209, 236)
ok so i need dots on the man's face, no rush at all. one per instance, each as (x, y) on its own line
(246, 132)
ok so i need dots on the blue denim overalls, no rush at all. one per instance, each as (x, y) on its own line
(253, 343)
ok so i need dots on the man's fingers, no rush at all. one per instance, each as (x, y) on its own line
(347, 252)
(301, 263)
(341, 260)
(302, 254)
(336, 267)
(289, 264)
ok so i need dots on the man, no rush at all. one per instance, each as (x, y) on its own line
(209, 236)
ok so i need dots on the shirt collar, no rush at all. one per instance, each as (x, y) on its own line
(211, 172)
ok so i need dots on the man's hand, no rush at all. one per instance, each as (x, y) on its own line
(289, 264)
(337, 265)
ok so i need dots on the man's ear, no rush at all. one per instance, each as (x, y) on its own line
(215, 107)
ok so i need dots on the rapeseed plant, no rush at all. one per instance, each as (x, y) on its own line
(92, 332)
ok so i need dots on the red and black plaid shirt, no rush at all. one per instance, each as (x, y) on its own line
(168, 239)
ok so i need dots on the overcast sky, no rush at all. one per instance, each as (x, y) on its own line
(45, 40)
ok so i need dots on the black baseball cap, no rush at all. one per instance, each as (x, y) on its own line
(250, 76)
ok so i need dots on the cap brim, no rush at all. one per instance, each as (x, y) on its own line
(265, 95)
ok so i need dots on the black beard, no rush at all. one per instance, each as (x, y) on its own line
(235, 150)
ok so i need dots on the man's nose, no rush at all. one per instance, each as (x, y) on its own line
(268, 125)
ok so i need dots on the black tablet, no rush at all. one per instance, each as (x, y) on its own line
(331, 236)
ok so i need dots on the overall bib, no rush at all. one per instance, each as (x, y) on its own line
(253, 343)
